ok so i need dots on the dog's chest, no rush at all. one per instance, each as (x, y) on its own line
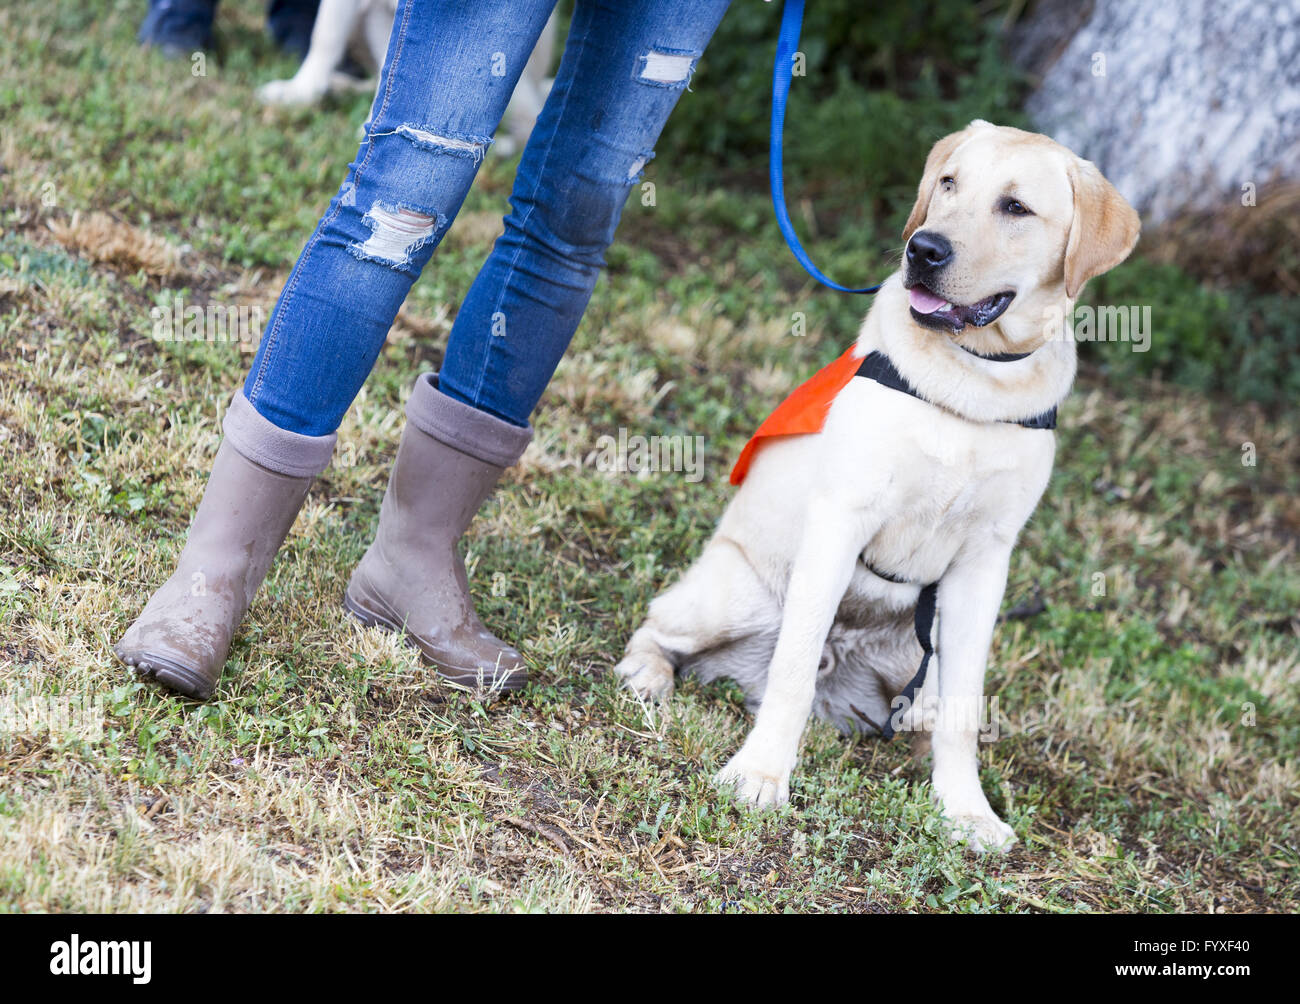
(952, 484)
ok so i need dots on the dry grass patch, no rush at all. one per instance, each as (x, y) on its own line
(103, 239)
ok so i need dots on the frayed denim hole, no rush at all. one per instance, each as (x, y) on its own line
(397, 232)
(470, 147)
(666, 68)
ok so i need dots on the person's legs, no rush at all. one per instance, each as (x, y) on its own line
(447, 79)
(178, 27)
(290, 23)
(624, 67)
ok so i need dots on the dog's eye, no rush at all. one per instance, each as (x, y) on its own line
(948, 182)
(1016, 208)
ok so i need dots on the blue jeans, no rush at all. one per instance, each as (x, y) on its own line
(189, 22)
(450, 71)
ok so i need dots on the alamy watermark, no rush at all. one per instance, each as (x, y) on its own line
(947, 714)
(1127, 323)
(59, 717)
(644, 455)
(211, 322)
(75, 957)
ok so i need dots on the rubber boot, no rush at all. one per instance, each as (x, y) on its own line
(259, 482)
(412, 579)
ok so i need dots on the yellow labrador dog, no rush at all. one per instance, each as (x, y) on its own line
(923, 475)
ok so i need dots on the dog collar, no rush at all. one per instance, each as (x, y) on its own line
(999, 357)
(804, 411)
(878, 367)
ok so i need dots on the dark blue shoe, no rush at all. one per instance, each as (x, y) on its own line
(290, 23)
(178, 27)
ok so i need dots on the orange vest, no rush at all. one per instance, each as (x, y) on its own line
(804, 411)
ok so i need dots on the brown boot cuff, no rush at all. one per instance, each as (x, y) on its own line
(264, 443)
(464, 427)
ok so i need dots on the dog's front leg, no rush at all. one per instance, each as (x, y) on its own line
(969, 597)
(335, 22)
(823, 565)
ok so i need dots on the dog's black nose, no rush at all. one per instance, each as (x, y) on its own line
(928, 251)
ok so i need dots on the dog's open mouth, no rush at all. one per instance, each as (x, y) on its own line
(935, 312)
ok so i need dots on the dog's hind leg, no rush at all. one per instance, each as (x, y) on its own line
(744, 660)
(719, 601)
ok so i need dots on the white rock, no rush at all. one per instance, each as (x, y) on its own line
(1181, 103)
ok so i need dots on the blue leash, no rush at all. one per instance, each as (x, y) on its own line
(782, 71)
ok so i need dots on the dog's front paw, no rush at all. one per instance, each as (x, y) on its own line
(648, 674)
(756, 779)
(980, 830)
(288, 92)
(345, 83)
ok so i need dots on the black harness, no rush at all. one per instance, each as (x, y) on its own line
(878, 367)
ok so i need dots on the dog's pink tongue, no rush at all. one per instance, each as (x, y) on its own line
(923, 301)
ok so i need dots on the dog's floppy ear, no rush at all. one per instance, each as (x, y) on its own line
(1104, 229)
(939, 153)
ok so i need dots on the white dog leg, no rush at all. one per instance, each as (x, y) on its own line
(969, 597)
(823, 565)
(335, 22)
(376, 26)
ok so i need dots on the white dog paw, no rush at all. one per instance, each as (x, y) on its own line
(287, 92)
(648, 674)
(757, 783)
(981, 831)
(345, 83)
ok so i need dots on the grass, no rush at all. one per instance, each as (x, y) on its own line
(1150, 710)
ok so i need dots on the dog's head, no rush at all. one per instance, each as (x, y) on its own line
(1008, 224)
